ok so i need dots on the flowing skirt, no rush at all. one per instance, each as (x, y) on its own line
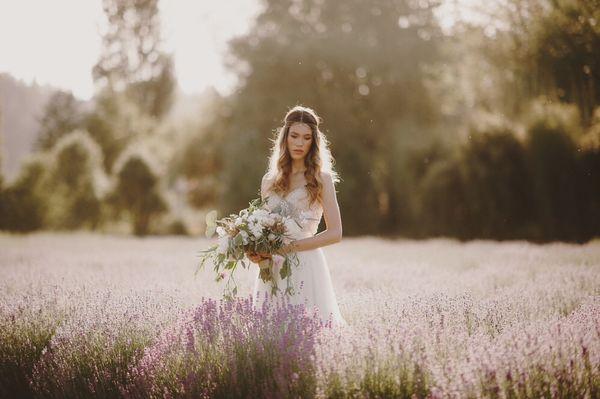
(312, 286)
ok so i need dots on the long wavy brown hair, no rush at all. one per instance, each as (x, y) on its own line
(317, 160)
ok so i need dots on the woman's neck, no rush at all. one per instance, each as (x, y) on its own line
(298, 166)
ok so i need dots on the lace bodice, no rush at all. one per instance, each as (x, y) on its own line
(298, 201)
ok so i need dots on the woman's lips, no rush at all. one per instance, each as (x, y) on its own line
(298, 151)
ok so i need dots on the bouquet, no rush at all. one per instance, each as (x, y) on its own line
(256, 229)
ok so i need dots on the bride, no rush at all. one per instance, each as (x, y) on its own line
(300, 173)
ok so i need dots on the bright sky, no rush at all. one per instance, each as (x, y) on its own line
(57, 42)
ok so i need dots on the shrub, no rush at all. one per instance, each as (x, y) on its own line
(496, 184)
(137, 190)
(23, 205)
(551, 157)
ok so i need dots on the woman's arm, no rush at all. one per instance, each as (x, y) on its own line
(331, 211)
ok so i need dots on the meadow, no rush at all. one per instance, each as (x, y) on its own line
(91, 315)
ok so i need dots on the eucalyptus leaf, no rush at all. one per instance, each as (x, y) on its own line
(238, 239)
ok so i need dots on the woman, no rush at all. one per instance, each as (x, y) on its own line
(301, 173)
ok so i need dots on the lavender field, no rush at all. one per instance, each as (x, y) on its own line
(85, 315)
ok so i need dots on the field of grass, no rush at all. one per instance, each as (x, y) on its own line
(85, 315)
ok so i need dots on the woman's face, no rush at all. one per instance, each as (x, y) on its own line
(299, 140)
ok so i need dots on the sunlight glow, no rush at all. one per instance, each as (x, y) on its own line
(58, 42)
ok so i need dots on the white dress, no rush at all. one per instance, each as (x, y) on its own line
(310, 279)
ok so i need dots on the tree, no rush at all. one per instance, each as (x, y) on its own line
(551, 158)
(137, 191)
(1, 156)
(528, 48)
(114, 123)
(22, 204)
(565, 53)
(497, 182)
(132, 61)
(75, 182)
(198, 156)
(200, 163)
(360, 65)
(443, 203)
(62, 114)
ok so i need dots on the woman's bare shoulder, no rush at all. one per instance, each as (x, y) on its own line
(327, 179)
(266, 179)
(325, 175)
(266, 183)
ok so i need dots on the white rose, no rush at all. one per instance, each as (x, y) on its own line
(264, 222)
(256, 230)
(261, 215)
(223, 244)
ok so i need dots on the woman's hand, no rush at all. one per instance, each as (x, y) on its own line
(291, 247)
(257, 257)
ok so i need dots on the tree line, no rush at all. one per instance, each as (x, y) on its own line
(486, 131)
